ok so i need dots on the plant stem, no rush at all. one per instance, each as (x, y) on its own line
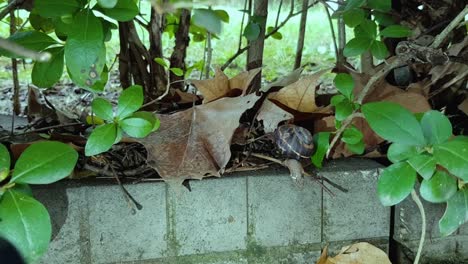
(441, 37)
(418, 202)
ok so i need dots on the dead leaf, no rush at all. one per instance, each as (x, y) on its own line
(414, 102)
(323, 257)
(184, 97)
(300, 95)
(464, 106)
(242, 80)
(359, 253)
(195, 143)
(272, 115)
(284, 81)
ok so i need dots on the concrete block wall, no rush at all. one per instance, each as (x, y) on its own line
(255, 217)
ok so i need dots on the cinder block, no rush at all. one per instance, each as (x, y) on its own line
(281, 214)
(212, 217)
(358, 213)
(115, 234)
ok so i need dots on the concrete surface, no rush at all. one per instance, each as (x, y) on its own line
(256, 217)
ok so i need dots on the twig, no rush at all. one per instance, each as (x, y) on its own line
(42, 129)
(441, 37)
(450, 83)
(163, 95)
(21, 51)
(278, 14)
(12, 5)
(242, 24)
(209, 54)
(330, 21)
(340, 131)
(418, 202)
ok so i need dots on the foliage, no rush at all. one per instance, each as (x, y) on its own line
(25, 222)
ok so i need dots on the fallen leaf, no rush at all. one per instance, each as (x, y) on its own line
(272, 115)
(195, 143)
(300, 95)
(284, 81)
(184, 97)
(323, 257)
(414, 102)
(464, 106)
(213, 89)
(243, 80)
(359, 253)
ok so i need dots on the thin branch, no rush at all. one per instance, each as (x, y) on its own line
(441, 37)
(163, 95)
(340, 131)
(330, 21)
(21, 51)
(418, 202)
(242, 25)
(12, 5)
(279, 12)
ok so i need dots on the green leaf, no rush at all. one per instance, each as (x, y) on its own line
(24, 188)
(395, 183)
(322, 142)
(277, 35)
(453, 155)
(456, 213)
(400, 152)
(161, 62)
(136, 127)
(394, 123)
(4, 162)
(177, 71)
(383, 19)
(366, 29)
(251, 31)
(379, 50)
(46, 74)
(56, 8)
(208, 19)
(343, 110)
(100, 84)
(124, 10)
(223, 15)
(103, 109)
(85, 53)
(357, 46)
(336, 99)
(424, 164)
(396, 31)
(357, 148)
(150, 117)
(381, 5)
(352, 135)
(101, 139)
(40, 23)
(44, 162)
(32, 40)
(439, 188)
(25, 222)
(350, 4)
(107, 3)
(353, 17)
(436, 127)
(130, 100)
(345, 84)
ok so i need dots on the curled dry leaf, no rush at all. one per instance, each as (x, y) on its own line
(300, 95)
(220, 85)
(195, 143)
(272, 115)
(359, 253)
(284, 81)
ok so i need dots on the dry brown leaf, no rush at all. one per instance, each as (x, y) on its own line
(359, 253)
(414, 102)
(184, 97)
(464, 106)
(299, 96)
(213, 89)
(323, 257)
(272, 115)
(195, 143)
(285, 80)
(242, 80)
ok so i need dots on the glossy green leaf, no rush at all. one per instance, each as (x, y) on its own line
(383, 19)
(379, 50)
(130, 100)
(357, 46)
(85, 53)
(394, 123)
(46, 74)
(24, 188)
(322, 142)
(456, 213)
(352, 135)
(251, 31)
(381, 5)
(124, 10)
(453, 155)
(439, 188)
(45, 162)
(336, 99)
(395, 183)
(177, 71)
(32, 40)
(436, 127)
(56, 8)
(357, 148)
(150, 117)
(136, 127)
(350, 4)
(353, 17)
(367, 29)
(40, 23)
(400, 152)
(4, 162)
(119, 135)
(277, 35)
(100, 84)
(223, 15)
(424, 164)
(103, 109)
(101, 139)
(345, 84)
(25, 222)
(161, 62)
(208, 19)
(343, 110)
(107, 3)
(396, 31)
